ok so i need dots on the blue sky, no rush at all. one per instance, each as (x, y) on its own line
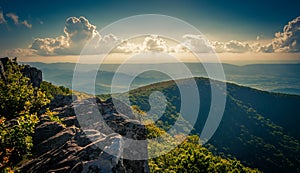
(218, 20)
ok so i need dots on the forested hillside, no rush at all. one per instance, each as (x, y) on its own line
(259, 128)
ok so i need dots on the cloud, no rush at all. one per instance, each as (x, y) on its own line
(232, 46)
(266, 48)
(154, 43)
(77, 32)
(151, 43)
(16, 21)
(128, 47)
(19, 52)
(286, 41)
(2, 19)
(13, 17)
(50, 46)
(25, 23)
(196, 43)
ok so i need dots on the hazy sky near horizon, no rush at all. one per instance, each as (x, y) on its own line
(38, 28)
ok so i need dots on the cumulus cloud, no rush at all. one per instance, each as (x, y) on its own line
(286, 41)
(232, 46)
(77, 32)
(128, 47)
(50, 46)
(154, 43)
(16, 21)
(196, 43)
(151, 43)
(2, 19)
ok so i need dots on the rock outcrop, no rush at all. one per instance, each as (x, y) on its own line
(34, 74)
(92, 140)
(3, 62)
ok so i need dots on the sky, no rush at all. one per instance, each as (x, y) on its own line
(236, 30)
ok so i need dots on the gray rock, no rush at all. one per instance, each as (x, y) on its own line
(72, 149)
(34, 74)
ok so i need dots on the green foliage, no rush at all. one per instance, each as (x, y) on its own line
(259, 128)
(19, 108)
(16, 140)
(52, 90)
(53, 117)
(16, 92)
(189, 156)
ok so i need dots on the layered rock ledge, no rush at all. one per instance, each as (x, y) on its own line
(94, 139)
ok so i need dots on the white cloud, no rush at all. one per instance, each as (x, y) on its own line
(154, 43)
(151, 43)
(50, 46)
(129, 47)
(77, 32)
(196, 43)
(286, 41)
(233, 46)
(106, 42)
(2, 19)
(16, 21)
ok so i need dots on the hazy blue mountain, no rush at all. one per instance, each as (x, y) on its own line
(287, 90)
(282, 78)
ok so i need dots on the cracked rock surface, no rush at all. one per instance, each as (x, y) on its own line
(95, 138)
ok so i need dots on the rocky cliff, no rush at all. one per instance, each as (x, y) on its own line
(94, 135)
(34, 74)
(79, 145)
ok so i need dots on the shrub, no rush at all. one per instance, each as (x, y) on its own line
(19, 111)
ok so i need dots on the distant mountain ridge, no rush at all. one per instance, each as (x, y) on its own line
(261, 76)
